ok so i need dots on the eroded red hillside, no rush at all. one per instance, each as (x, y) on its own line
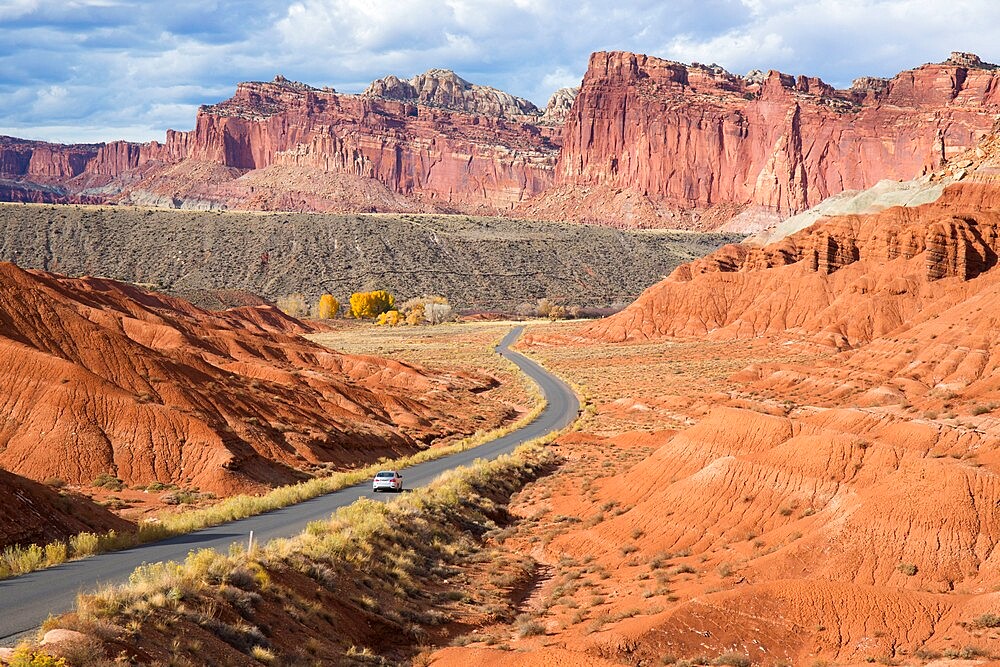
(101, 377)
(32, 513)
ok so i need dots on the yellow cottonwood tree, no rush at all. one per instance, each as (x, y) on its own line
(328, 307)
(371, 304)
(390, 318)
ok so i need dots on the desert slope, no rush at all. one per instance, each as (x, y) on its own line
(32, 513)
(101, 377)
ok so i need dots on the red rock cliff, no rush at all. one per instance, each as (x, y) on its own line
(691, 137)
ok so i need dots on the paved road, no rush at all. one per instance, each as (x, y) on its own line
(27, 600)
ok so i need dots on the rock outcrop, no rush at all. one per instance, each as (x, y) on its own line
(443, 88)
(558, 108)
(689, 138)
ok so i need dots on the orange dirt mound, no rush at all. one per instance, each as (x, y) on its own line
(101, 377)
(32, 513)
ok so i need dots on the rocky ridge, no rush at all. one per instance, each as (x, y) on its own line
(477, 263)
(646, 143)
(667, 141)
(443, 88)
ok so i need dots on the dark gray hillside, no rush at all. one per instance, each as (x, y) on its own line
(478, 263)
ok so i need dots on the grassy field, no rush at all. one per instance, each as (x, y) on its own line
(466, 346)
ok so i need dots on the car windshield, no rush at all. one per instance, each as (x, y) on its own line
(386, 474)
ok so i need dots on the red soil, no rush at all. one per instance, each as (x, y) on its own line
(102, 377)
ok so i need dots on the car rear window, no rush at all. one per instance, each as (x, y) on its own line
(385, 474)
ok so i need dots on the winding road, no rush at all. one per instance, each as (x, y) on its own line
(27, 600)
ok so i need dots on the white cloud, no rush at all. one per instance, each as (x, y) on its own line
(131, 66)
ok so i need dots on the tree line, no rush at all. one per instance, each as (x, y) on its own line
(378, 305)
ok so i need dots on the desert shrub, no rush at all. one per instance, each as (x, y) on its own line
(436, 313)
(389, 318)
(528, 626)
(414, 312)
(108, 481)
(366, 305)
(733, 659)
(543, 308)
(55, 553)
(84, 544)
(26, 657)
(427, 310)
(293, 305)
(987, 621)
(54, 482)
(909, 569)
(262, 654)
(558, 312)
(524, 310)
(23, 559)
(327, 308)
(983, 409)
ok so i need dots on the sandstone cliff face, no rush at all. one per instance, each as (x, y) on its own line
(693, 137)
(449, 160)
(646, 143)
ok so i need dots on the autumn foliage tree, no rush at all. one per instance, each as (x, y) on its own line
(389, 318)
(366, 305)
(328, 307)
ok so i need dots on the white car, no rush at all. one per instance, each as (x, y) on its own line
(387, 479)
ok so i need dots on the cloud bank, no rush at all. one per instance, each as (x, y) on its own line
(97, 70)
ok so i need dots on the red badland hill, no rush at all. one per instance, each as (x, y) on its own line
(904, 293)
(31, 512)
(101, 377)
(647, 142)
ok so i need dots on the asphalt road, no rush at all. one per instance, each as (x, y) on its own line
(28, 600)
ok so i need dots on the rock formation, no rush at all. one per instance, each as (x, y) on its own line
(100, 377)
(557, 110)
(443, 88)
(843, 281)
(648, 143)
(682, 138)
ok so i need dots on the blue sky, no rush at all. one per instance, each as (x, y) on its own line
(95, 70)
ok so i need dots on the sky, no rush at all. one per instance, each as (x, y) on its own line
(100, 70)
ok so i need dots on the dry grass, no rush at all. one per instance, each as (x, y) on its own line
(454, 346)
(388, 545)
